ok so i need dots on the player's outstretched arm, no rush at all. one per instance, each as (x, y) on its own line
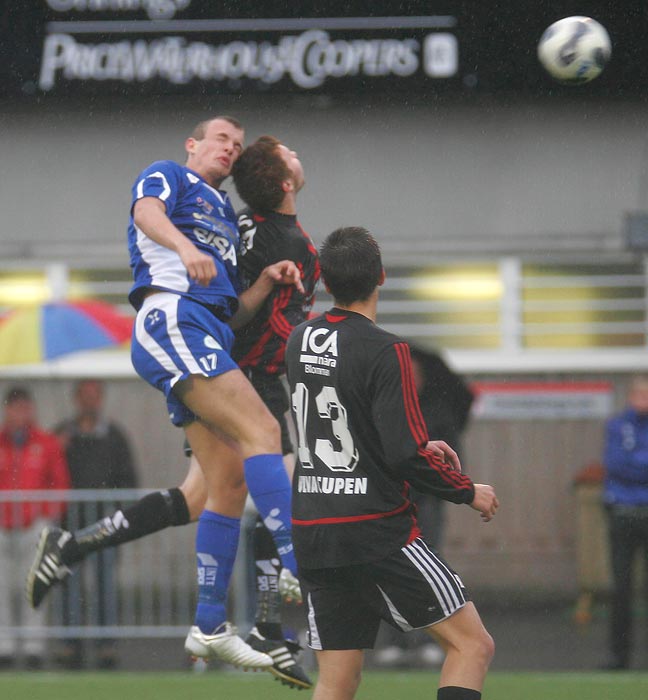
(283, 272)
(485, 501)
(149, 215)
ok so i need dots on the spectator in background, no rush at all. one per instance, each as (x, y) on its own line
(445, 404)
(30, 459)
(445, 400)
(626, 499)
(99, 457)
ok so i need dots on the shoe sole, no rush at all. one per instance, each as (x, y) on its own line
(212, 657)
(198, 650)
(289, 680)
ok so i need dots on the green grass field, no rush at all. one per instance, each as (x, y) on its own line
(375, 686)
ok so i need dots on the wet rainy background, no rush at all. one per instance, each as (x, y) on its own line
(458, 161)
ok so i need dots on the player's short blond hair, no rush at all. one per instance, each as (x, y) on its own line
(200, 129)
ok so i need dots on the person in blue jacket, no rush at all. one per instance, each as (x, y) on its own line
(626, 500)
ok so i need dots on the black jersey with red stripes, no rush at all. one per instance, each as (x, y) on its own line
(361, 442)
(266, 240)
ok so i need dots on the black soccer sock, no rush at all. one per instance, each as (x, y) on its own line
(268, 566)
(152, 513)
(454, 692)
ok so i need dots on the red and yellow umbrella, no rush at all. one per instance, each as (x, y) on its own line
(33, 334)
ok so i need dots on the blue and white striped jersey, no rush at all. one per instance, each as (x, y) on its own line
(202, 213)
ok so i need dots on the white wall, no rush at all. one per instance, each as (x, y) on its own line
(437, 172)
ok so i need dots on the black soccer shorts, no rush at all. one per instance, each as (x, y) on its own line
(410, 589)
(271, 389)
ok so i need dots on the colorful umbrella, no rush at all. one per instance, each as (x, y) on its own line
(34, 334)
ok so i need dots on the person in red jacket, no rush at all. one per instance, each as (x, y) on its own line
(30, 459)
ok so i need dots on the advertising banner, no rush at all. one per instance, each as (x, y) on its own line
(150, 47)
(542, 400)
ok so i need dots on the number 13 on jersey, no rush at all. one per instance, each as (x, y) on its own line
(331, 419)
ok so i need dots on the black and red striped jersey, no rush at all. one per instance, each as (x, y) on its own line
(266, 240)
(361, 442)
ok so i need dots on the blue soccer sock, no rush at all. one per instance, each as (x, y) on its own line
(216, 544)
(270, 490)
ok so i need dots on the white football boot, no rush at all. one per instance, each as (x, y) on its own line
(225, 644)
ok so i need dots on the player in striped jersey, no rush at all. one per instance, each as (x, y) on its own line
(362, 442)
(268, 177)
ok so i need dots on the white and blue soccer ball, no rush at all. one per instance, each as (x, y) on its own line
(575, 49)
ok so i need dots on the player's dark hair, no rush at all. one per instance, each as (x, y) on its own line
(259, 173)
(351, 264)
(200, 129)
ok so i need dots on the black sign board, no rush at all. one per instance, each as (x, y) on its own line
(144, 47)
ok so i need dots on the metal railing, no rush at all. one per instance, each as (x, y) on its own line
(494, 311)
(144, 588)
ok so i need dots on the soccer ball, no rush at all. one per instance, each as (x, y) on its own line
(574, 49)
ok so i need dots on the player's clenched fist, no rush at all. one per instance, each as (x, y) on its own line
(200, 266)
(485, 501)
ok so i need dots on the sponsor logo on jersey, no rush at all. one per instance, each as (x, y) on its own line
(152, 318)
(214, 224)
(221, 243)
(349, 485)
(319, 347)
(211, 221)
(206, 206)
(309, 369)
